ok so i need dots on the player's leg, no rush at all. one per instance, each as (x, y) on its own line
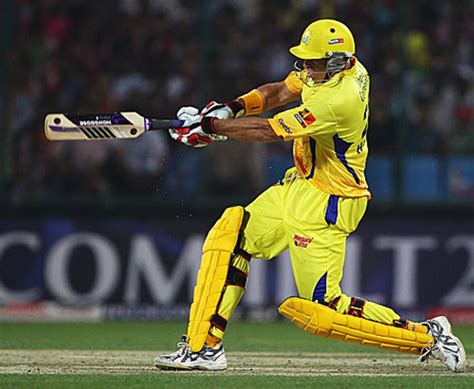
(326, 221)
(238, 235)
(218, 277)
(318, 269)
(326, 284)
(262, 236)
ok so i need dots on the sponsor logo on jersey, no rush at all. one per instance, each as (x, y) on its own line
(305, 118)
(284, 126)
(301, 241)
(336, 40)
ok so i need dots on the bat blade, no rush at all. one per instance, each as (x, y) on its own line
(118, 125)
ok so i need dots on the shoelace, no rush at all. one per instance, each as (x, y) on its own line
(183, 345)
(425, 355)
(435, 330)
(444, 340)
(441, 341)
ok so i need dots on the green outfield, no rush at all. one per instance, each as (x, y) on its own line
(120, 354)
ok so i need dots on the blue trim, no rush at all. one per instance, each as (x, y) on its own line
(364, 133)
(320, 288)
(331, 210)
(341, 148)
(312, 147)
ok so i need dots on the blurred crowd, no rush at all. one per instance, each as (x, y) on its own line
(154, 56)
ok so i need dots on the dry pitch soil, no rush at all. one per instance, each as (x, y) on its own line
(72, 362)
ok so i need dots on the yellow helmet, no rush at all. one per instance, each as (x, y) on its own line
(322, 38)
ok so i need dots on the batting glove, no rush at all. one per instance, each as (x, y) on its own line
(230, 110)
(196, 130)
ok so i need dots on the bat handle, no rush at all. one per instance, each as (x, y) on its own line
(164, 124)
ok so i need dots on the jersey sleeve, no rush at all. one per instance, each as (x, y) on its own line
(304, 120)
(293, 83)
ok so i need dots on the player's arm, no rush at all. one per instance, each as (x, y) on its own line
(287, 125)
(281, 93)
(257, 101)
(203, 128)
(274, 95)
(199, 131)
(246, 129)
(265, 97)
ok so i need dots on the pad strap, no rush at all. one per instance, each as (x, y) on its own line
(236, 277)
(219, 322)
(333, 303)
(356, 307)
(244, 254)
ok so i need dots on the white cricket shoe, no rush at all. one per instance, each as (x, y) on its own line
(447, 348)
(209, 358)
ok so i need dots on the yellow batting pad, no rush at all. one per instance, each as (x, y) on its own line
(317, 319)
(217, 252)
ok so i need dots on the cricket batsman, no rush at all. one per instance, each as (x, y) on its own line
(311, 211)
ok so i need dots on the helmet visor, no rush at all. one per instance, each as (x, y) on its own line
(302, 52)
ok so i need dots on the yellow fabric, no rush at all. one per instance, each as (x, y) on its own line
(329, 130)
(371, 311)
(231, 296)
(230, 299)
(254, 102)
(217, 251)
(320, 320)
(241, 263)
(292, 215)
(285, 215)
(294, 83)
(323, 36)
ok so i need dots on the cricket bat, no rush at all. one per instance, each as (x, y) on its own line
(117, 125)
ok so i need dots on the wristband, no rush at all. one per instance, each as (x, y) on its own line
(254, 102)
(236, 107)
(207, 124)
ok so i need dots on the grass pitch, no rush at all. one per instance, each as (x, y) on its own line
(120, 354)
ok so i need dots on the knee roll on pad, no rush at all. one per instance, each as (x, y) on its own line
(320, 320)
(213, 274)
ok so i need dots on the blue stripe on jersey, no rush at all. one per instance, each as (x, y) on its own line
(320, 288)
(331, 210)
(312, 147)
(364, 133)
(341, 148)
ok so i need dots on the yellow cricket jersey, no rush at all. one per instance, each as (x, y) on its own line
(329, 130)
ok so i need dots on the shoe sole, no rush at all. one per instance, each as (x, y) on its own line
(168, 365)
